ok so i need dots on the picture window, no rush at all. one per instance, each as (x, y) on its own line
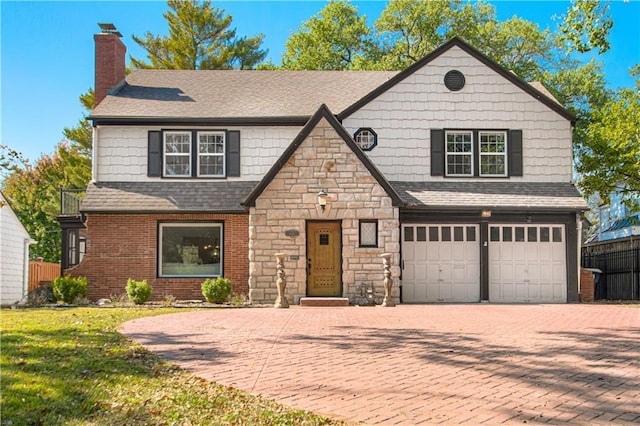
(190, 249)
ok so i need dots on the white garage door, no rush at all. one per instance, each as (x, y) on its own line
(441, 263)
(527, 263)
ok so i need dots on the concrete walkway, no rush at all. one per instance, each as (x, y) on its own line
(416, 364)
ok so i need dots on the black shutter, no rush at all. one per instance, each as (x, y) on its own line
(233, 153)
(437, 152)
(154, 157)
(514, 146)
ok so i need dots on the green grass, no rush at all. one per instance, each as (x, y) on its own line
(71, 366)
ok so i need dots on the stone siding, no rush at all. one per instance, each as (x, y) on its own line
(322, 161)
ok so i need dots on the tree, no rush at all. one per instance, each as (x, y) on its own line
(586, 26)
(199, 38)
(34, 190)
(608, 155)
(332, 40)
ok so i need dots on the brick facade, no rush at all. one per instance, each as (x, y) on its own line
(587, 285)
(122, 246)
(322, 161)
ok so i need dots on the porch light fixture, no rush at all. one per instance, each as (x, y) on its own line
(486, 213)
(322, 199)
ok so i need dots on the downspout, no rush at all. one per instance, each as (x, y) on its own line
(579, 228)
(25, 269)
(94, 154)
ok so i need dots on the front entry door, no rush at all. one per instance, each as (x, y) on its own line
(324, 269)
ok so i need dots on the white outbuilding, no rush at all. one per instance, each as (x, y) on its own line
(14, 256)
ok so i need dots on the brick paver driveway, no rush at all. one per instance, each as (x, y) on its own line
(418, 363)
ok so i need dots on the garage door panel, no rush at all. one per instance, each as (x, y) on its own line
(531, 264)
(451, 267)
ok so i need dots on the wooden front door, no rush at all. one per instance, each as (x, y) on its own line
(324, 262)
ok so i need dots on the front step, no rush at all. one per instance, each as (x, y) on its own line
(324, 301)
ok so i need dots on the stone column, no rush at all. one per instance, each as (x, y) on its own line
(388, 282)
(281, 282)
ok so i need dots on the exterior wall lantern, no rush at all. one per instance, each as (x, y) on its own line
(322, 199)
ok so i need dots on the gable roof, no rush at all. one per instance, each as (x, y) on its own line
(545, 97)
(322, 112)
(232, 96)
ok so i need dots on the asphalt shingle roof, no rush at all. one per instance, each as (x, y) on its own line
(236, 94)
(512, 195)
(169, 197)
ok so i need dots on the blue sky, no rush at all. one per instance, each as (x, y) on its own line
(47, 50)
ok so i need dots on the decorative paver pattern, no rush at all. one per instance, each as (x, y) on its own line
(418, 364)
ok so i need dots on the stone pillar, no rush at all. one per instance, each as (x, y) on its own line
(281, 282)
(388, 282)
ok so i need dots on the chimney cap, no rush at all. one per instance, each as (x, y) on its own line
(109, 28)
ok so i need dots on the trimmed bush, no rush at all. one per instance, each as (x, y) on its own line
(70, 289)
(216, 290)
(138, 291)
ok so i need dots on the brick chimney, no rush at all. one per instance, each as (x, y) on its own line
(110, 60)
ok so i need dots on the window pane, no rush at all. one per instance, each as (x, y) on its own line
(368, 234)
(177, 165)
(191, 250)
(492, 164)
(494, 234)
(471, 233)
(177, 143)
(544, 234)
(446, 233)
(211, 144)
(408, 233)
(519, 233)
(211, 165)
(507, 233)
(458, 233)
(557, 235)
(421, 233)
(459, 164)
(433, 233)
(532, 234)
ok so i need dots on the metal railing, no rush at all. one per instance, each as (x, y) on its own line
(620, 276)
(70, 200)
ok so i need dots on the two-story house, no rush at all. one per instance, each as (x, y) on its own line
(455, 166)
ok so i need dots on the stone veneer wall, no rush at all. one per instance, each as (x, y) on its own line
(322, 161)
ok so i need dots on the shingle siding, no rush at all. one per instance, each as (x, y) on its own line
(403, 116)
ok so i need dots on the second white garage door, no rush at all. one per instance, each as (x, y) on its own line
(441, 263)
(527, 264)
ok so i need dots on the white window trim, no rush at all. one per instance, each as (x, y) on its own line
(161, 227)
(471, 154)
(487, 154)
(165, 154)
(223, 154)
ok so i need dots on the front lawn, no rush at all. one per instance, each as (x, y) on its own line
(70, 366)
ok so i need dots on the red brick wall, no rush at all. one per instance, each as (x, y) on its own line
(122, 246)
(110, 64)
(587, 286)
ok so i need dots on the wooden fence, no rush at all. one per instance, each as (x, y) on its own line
(40, 271)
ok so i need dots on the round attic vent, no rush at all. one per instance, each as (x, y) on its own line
(454, 80)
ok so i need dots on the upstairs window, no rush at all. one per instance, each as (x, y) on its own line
(459, 153)
(177, 154)
(487, 153)
(493, 153)
(366, 138)
(211, 154)
(193, 153)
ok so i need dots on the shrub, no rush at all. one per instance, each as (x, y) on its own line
(41, 295)
(69, 289)
(138, 291)
(216, 291)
